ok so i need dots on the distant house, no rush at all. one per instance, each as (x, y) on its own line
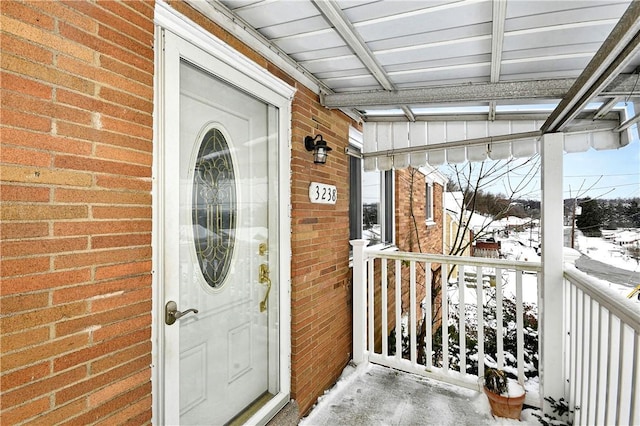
(454, 229)
(627, 238)
(463, 227)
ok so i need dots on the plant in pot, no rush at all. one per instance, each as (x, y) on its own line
(505, 396)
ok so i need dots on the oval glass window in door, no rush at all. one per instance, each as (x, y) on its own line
(214, 208)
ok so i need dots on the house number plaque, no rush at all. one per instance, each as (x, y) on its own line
(321, 193)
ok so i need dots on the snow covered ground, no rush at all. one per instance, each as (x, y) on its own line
(611, 254)
(522, 246)
(374, 395)
(604, 251)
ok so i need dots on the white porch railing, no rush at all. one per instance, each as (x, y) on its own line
(472, 280)
(602, 360)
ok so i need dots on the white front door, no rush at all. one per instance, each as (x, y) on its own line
(220, 328)
(224, 244)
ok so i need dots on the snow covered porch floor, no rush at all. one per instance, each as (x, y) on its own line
(375, 395)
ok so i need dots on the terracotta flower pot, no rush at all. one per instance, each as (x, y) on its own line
(505, 406)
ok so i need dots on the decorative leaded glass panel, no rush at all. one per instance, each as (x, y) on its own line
(214, 208)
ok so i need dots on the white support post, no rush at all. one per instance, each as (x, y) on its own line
(359, 300)
(550, 293)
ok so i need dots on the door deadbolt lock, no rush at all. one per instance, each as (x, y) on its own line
(171, 312)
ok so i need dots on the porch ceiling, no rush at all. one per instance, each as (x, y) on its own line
(399, 59)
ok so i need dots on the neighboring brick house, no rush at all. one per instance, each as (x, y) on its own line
(420, 226)
(419, 210)
(417, 227)
(87, 225)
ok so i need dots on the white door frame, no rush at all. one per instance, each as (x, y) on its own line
(245, 74)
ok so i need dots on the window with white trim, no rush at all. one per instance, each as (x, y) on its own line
(377, 211)
(371, 200)
(429, 204)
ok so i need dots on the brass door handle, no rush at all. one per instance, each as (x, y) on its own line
(172, 314)
(263, 277)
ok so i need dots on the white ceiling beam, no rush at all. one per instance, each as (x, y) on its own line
(334, 15)
(619, 48)
(410, 115)
(497, 42)
(497, 37)
(605, 108)
(492, 110)
(505, 90)
(613, 119)
(623, 85)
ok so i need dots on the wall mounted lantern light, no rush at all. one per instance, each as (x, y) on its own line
(319, 148)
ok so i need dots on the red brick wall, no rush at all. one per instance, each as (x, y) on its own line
(321, 289)
(76, 102)
(414, 235)
(412, 232)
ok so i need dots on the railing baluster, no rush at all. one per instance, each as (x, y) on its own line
(462, 332)
(444, 286)
(617, 372)
(626, 367)
(480, 315)
(398, 309)
(519, 327)
(579, 353)
(586, 357)
(612, 383)
(597, 369)
(594, 348)
(413, 313)
(566, 290)
(499, 320)
(370, 303)
(635, 392)
(574, 333)
(385, 307)
(603, 366)
(428, 318)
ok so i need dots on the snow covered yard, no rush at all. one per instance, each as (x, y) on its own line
(605, 251)
(519, 247)
(376, 395)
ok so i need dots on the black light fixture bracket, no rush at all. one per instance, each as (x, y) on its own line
(319, 147)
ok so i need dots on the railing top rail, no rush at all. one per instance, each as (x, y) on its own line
(454, 260)
(629, 313)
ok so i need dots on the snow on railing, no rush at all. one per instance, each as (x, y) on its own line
(602, 361)
(385, 301)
